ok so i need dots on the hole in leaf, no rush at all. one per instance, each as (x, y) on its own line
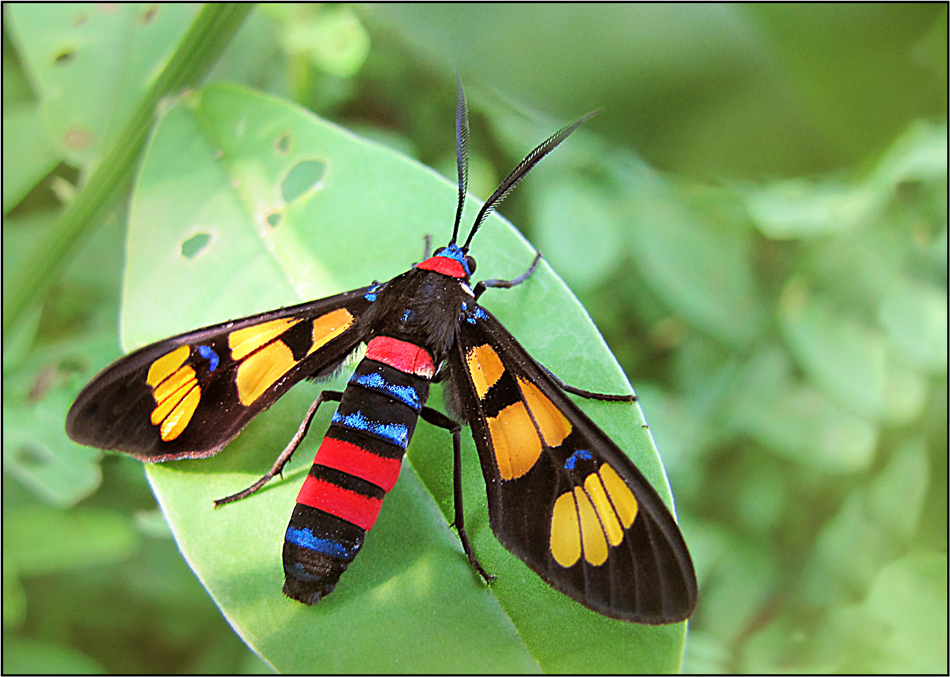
(304, 176)
(195, 245)
(274, 219)
(283, 144)
(64, 58)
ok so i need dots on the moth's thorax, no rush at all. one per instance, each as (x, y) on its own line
(423, 307)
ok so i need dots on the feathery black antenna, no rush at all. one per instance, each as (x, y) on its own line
(519, 173)
(461, 152)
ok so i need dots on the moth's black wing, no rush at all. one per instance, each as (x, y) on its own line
(189, 395)
(561, 495)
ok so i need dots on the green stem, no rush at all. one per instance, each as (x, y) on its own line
(200, 47)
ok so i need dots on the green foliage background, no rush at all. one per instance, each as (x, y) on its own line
(757, 223)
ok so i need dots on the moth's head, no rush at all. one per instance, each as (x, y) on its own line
(450, 260)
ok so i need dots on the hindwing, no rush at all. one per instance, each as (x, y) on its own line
(562, 496)
(189, 395)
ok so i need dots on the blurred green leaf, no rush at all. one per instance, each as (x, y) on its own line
(910, 599)
(869, 530)
(91, 64)
(846, 358)
(798, 208)
(797, 420)
(581, 237)
(44, 540)
(914, 315)
(28, 154)
(702, 271)
(31, 657)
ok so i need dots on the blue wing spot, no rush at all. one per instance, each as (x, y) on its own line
(405, 315)
(573, 458)
(371, 294)
(477, 314)
(208, 353)
(305, 539)
(405, 394)
(396, 433)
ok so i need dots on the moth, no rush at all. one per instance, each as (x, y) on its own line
(562, 496)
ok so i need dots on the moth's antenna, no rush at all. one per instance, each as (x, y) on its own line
(519, 173)
(461, 152)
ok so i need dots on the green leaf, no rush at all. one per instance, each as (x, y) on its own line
(215, 170)
(846, 358)
(190, 61)
(31, 657)
(701, 269)
(91, 64)
(42, 540)
(28, 152)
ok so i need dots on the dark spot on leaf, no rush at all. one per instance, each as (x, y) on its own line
(282, 145)
(274, 219)
(78, 138)
(195, 245)
(303, 177)
(31, 457)
(148, 16)
(44, 381)
(80, 19)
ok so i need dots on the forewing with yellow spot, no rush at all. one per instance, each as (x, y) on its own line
(188, 396)
(561, 495)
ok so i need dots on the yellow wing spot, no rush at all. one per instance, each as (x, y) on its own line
(554, 427)
(328, 327)
(174, 383)
(163, 367)
(176, 399)
(608, 516)
(258, 372)
(515, 441)
(245, 341)
(565, 531)
(592, 534)
(485, 367)
(178, 420)
(624, 502)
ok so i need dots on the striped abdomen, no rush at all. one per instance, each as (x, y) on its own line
(357, 463)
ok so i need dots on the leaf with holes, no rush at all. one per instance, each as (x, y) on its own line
(245, 203)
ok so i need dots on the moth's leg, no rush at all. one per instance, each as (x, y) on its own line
(278, 467)
(587, 393)
(428, 248)
(506, 284)
(442, 421)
